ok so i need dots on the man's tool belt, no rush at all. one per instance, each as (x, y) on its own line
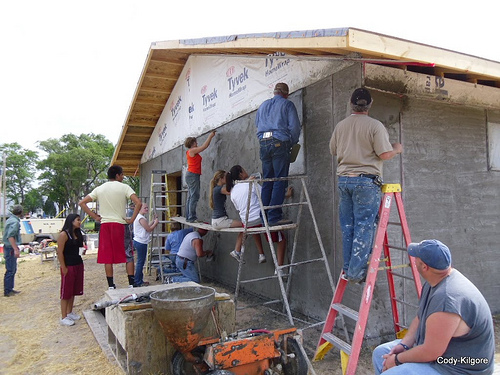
(377, 180)
(184, 265)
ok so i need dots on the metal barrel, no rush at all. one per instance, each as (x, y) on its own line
(183, 313)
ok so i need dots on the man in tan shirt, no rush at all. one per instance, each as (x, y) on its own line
(361, 144)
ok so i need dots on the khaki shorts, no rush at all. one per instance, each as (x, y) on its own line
(222, 222)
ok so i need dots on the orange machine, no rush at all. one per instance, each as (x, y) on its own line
(183, 314)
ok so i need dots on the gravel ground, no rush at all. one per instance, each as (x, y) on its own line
(33, 342)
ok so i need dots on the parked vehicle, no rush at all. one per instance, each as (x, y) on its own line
(40, 229)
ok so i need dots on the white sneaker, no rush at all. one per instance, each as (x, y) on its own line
(130, 286)
(112, 288)
(280, 273)
(67, 322)
(262, 258)
(236, 255)
(73, 316)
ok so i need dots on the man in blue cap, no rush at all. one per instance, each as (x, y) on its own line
(453, 330)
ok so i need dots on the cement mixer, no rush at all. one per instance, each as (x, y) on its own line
(184, 312)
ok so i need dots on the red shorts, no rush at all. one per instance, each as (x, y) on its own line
(72, 282)
(111, 248)
(275, 236)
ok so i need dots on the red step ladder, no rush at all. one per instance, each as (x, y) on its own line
(350, 352)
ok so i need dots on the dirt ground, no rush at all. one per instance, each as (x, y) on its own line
(33, 342)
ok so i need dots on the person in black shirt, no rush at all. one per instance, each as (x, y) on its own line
(68, 246)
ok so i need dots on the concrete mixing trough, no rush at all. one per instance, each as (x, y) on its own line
(183, 314)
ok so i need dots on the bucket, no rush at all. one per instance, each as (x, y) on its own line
(183, 314)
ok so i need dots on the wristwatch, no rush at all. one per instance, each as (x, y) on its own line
(405, 347)
(396, 360)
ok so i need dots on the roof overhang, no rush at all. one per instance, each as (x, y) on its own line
(165, 62)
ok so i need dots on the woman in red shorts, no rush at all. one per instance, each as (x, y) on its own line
(68, 245)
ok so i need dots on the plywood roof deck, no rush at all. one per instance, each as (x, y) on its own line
(166, 60)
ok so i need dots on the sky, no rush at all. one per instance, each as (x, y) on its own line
(73, 66)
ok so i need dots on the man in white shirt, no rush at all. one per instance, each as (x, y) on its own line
(112, 197)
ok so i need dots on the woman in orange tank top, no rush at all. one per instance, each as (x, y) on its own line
(193, 174)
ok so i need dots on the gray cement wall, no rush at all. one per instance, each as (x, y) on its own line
(449, 193)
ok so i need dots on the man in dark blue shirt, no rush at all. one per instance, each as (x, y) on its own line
(173, 243)
(278, 129)
(11, 240)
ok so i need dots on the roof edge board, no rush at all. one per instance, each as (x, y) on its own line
(260, 43)
(395, 48)
(131, 106)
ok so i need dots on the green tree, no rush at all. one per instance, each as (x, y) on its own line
(133, 182)
(49, 207)
(20, 171)
(73, 166)
(33, 200)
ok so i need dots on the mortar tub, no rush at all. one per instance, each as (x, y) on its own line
(183, 313)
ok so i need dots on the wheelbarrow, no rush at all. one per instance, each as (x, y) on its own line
(184, 312)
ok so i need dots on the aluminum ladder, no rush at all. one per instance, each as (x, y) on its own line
(279, 275)
(159, 204)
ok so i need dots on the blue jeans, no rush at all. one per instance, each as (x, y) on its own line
(193, 183)
(129, 248)
(142, 250)
(405, 368)
(275, 157)
(172, 268)
(10, 269)
(358, 211)
(190, 273)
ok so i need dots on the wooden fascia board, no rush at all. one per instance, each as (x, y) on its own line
(130, 109)
(262, 43)
(132, 151)
(394, 48)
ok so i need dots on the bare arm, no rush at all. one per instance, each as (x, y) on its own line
(224, 191)
(83, 204)
(397, 148)
(196, 150)
(440, 328)
(137, 208)
(149, 226)
(61, 242)
(198, 246)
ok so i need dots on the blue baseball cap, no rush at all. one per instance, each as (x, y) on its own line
(434, 253)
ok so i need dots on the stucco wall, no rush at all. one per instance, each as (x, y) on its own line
(449, 194)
